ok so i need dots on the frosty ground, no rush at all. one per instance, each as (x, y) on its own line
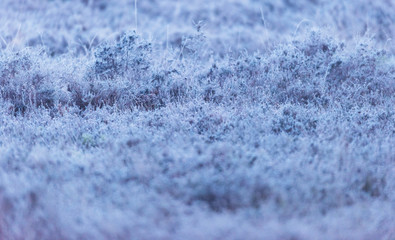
(228, 119)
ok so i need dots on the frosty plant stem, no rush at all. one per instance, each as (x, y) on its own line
(135, 13)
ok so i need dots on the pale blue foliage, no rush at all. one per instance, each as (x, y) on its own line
(211, 120)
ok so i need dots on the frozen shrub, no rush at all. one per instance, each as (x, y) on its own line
(355, 69)
(336, 74)
(148, 100)
(195, 46)
(363, 75)
(170, 85)
(297, 71)
(230, 193)
(177, 92)
(210, 95)
(292, 122)
(23, 83)
(121, 76)
(215, 180)
(207, 123)
(46, 98)
(219, 74)
(129, 57)
(78, 95)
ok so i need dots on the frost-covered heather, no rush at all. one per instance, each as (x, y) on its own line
(228, 119)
